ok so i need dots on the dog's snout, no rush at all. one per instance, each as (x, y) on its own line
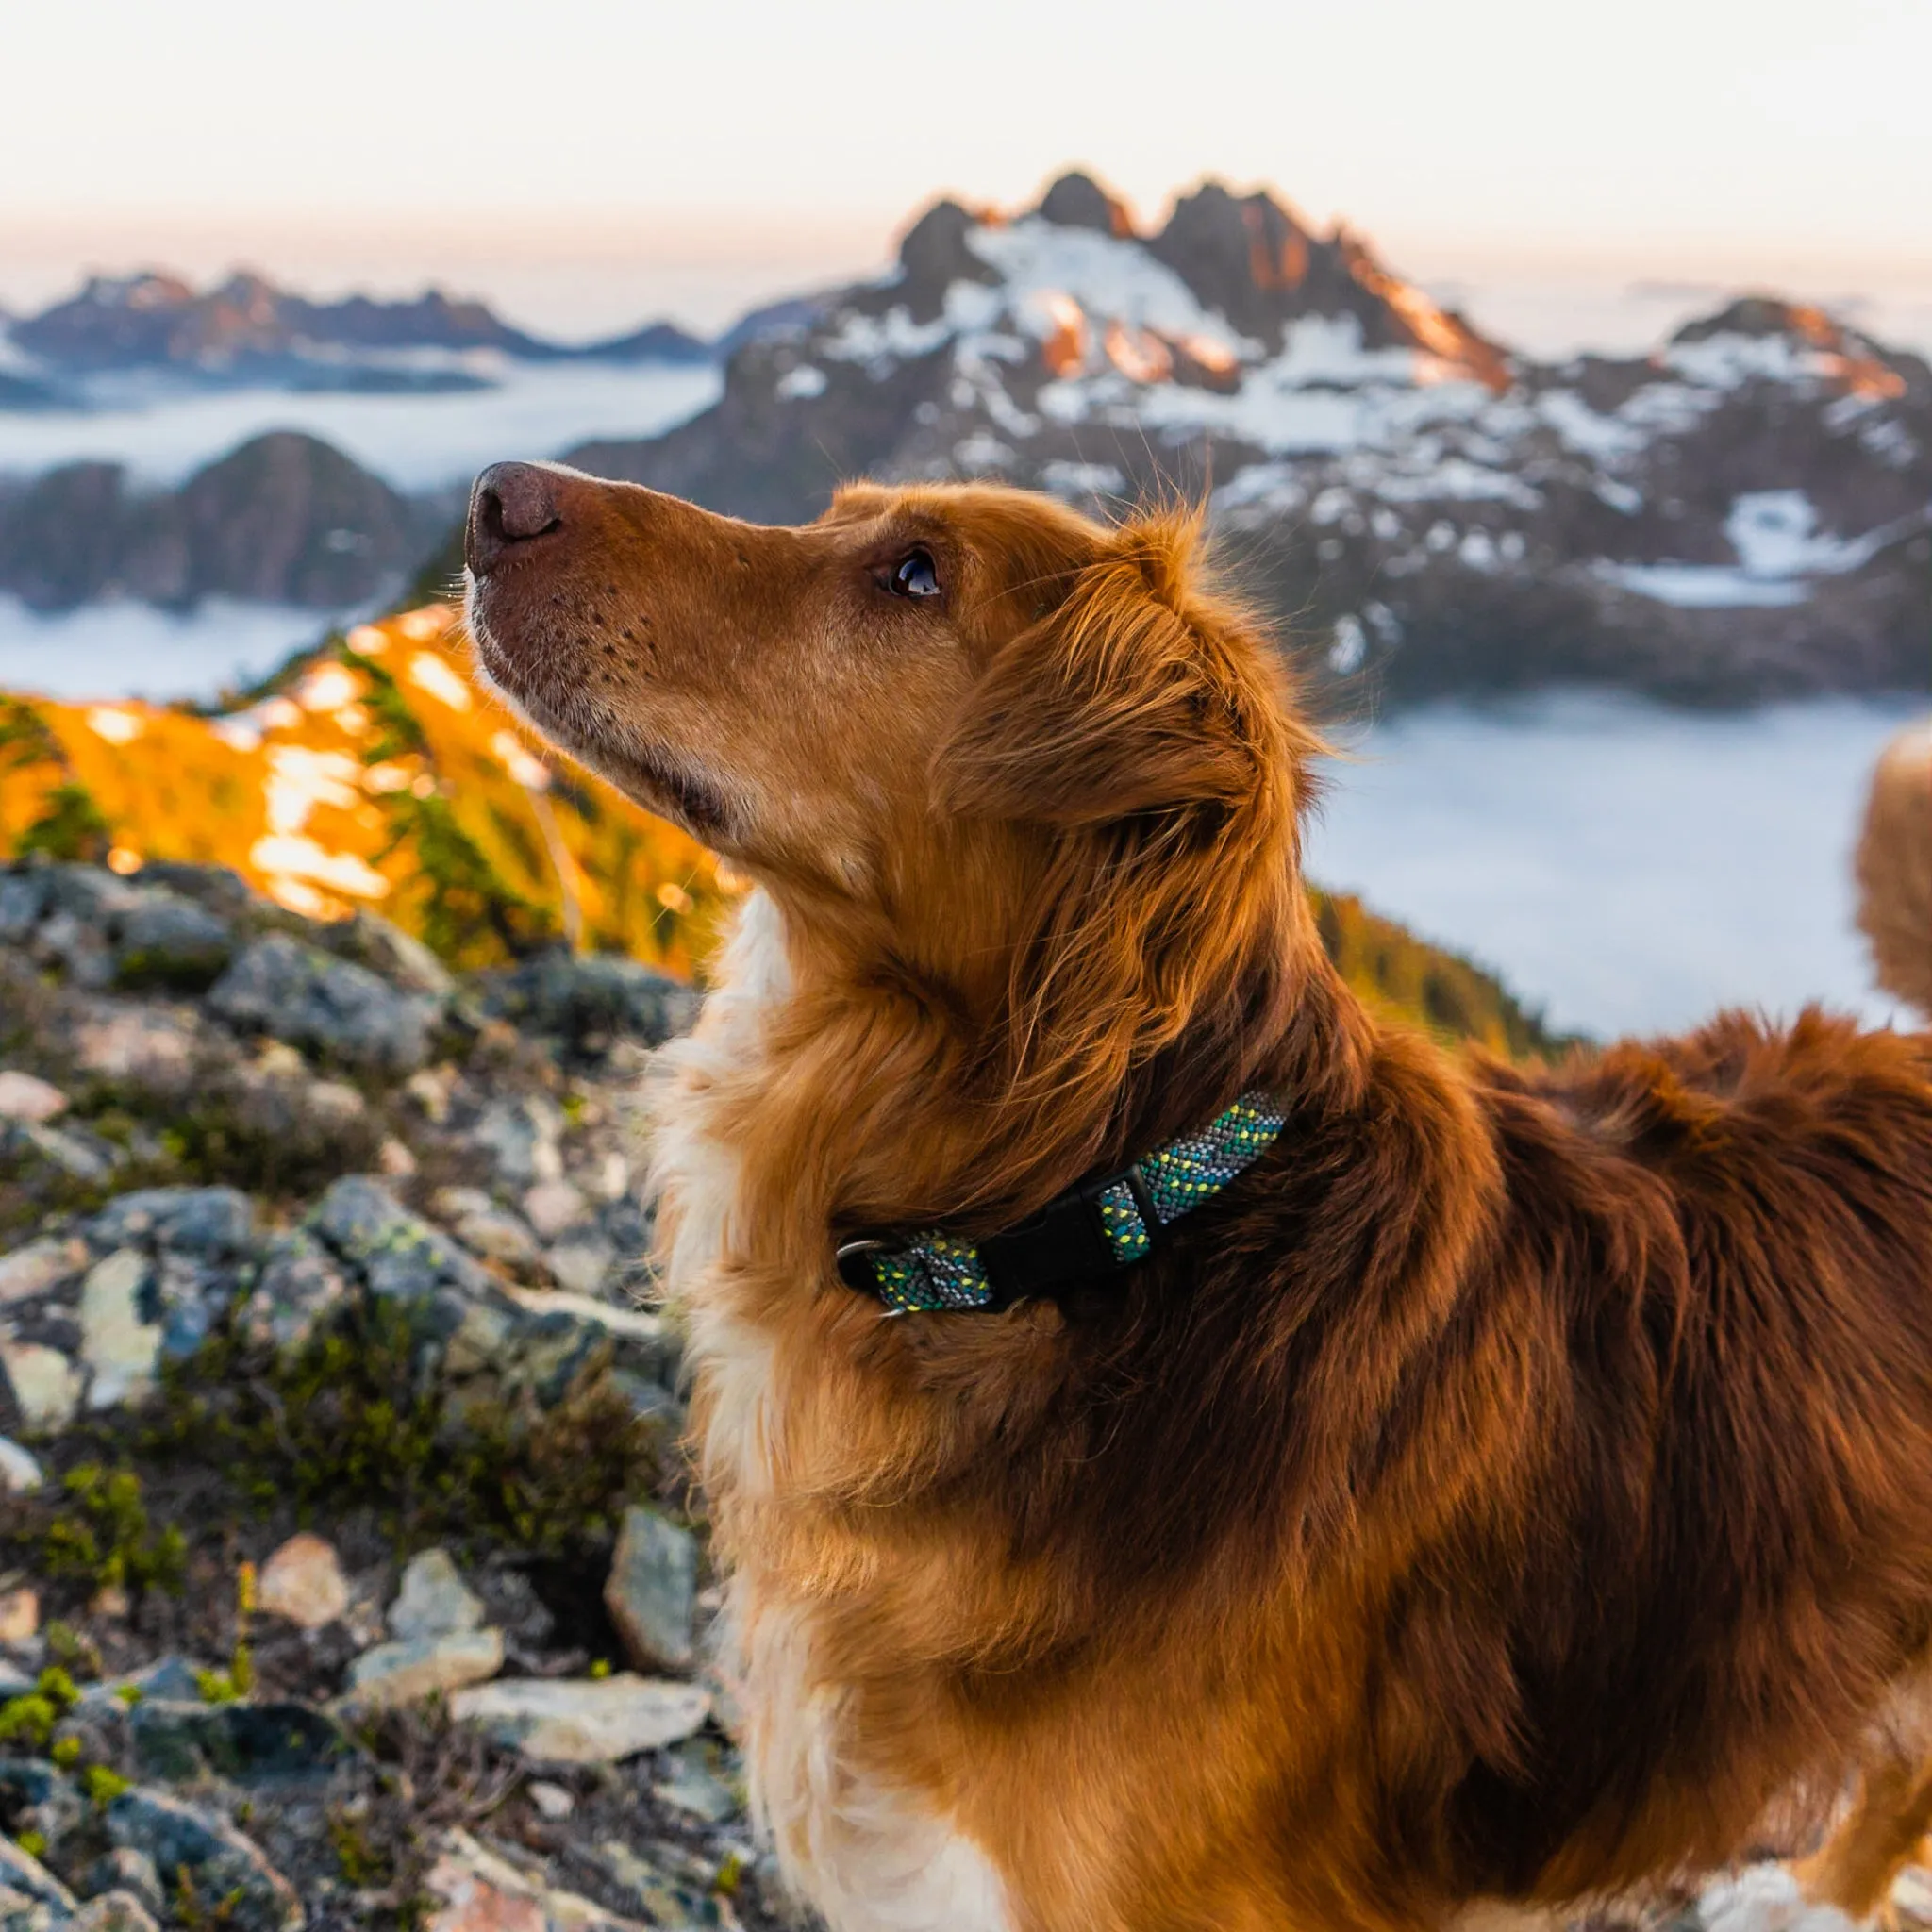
(510, 504)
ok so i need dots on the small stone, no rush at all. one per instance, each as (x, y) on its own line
(302, 1581)
(119, 1347)
(695, 1788)
(147, 1050)
(22, 1872)
(552, 1205)
(434, 1601)
(410, 1670)
(552, 1801)
(325, 1122)
(395, 1158)
(125, 1870)
(112, 1602)
(20, 1473)
(83, 1155)
(491, 1231)
(611, 1181)
(650, 1592)
(480, 1892)
(298, 1289)
(398, 957)
(40, 1266)
(168, 1679)
(648, 1886)
(430, 1088)
(521, 1136)
(46, 1386)
(25, 1098)
(584, 1719)
(115, 1911)
(219, 1862)
(581, 1268)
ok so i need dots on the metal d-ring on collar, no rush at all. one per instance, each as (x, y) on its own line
(1092, 1230)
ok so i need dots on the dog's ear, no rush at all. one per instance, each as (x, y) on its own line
(1125, 699)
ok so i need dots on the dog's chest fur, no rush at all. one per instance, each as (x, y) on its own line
(868, 1857)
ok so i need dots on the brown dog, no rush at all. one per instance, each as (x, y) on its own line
(1512, 1485)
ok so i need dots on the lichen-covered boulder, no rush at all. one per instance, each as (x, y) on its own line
(332, 1007)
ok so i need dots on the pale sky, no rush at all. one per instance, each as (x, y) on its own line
(580, 155)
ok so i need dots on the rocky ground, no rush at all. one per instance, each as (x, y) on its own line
(348, 1576)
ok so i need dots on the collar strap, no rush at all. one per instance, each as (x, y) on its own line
(1092, 1230)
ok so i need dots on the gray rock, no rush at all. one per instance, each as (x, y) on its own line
(189, 1297)
(485, 1228)
(23, 900)
(116, 1342)
(119, 1910)
(585, 1000)
(244, 1743)
(22, 1872)
(19, 1472)
(584, 1267)
(20, 1913)
(521, 1137)
(651, 1591)
(332, 1007)
(694, 1784)
(433, 1600)
(298, 1289)
(153, 1053)
(124, 1870)
(22, 1097)
(168, 1677)
(218, 1860)
(217, 889)
(408, 1671)
(301, 1118)
(212, 1224)
(397, 955)
(73, 1151)
(398, 1255)
(168, 942)
(45, 1384)
(38, 1268)
(585, 1720)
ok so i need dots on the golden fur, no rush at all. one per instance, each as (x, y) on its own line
(1516, 1488)
(1894, 867)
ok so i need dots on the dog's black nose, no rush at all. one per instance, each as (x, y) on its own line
(510, 504)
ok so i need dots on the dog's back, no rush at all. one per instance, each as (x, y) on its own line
(1894, 867)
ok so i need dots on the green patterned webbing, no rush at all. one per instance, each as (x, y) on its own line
(935, 1273)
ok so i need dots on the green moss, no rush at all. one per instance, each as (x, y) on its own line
(104, 1785)
(29, 1718)
(351, 1421)
(362, 1863)
(34, 1844)
(105, 1539)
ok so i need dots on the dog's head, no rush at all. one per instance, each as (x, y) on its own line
(960, 710)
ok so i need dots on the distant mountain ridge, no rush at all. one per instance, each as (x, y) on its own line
(246, 328)
(1745, 514)
(283, 519)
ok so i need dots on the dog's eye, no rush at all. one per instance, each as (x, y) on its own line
(914, 576)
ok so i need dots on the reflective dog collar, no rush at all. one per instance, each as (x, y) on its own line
(1091, 1231)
